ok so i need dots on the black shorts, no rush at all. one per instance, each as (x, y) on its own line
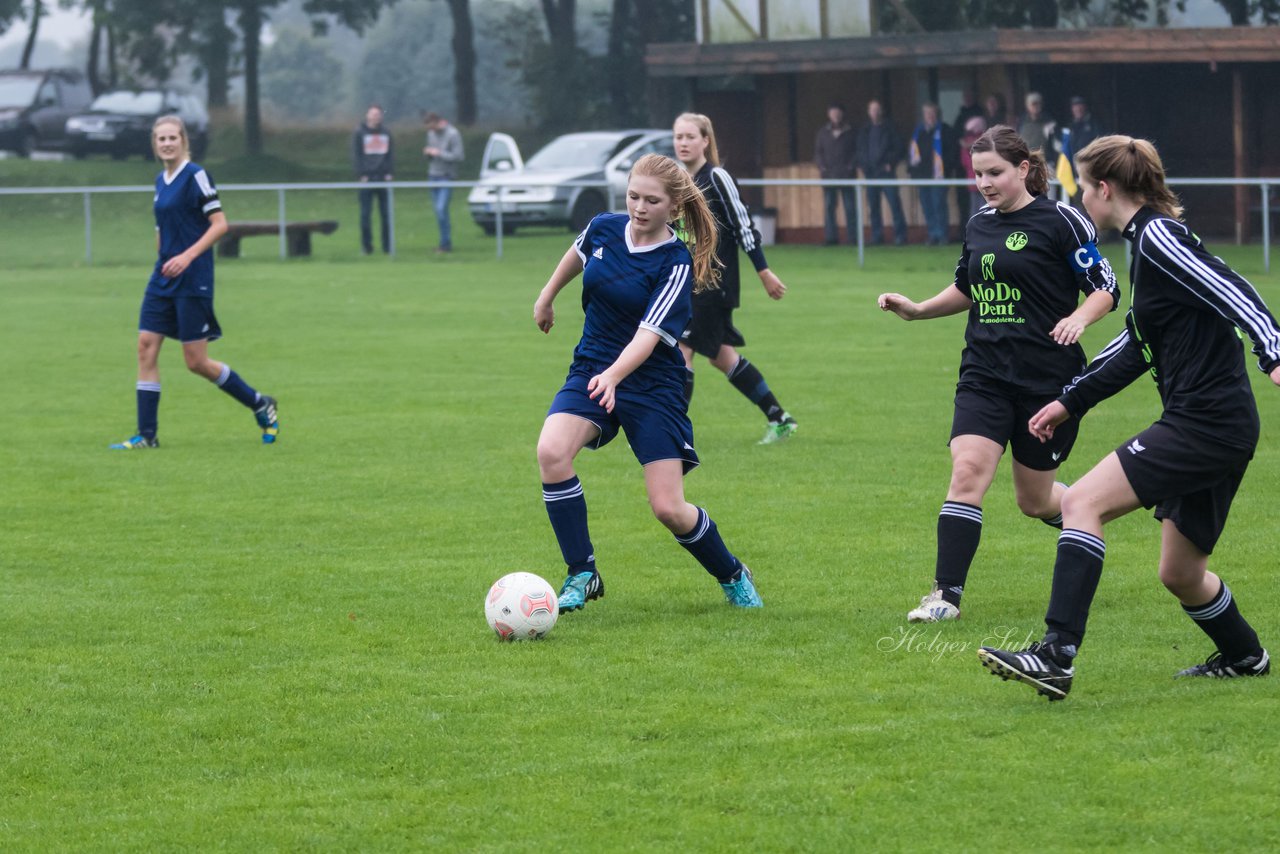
(1187, 477)
(710, 328)
(984, 409)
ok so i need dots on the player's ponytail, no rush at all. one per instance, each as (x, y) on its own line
(690, 208)
(1011, 148)
(1131, 167)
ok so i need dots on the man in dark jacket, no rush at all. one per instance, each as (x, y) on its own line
(834, 151)
(879, 153)
(372, 158)
(933, 153)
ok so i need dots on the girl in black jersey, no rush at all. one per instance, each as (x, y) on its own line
(1186, 307)
(1025, 261)
(711, 333)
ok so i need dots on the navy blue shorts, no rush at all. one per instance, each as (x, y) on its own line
(983, 409)
(184, 318)
(1190, 479)
(655, 419)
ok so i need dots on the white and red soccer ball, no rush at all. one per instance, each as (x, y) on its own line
(521, 606)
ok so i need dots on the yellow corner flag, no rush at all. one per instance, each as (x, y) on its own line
(1065, 177)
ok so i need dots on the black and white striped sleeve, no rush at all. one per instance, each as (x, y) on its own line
(744, 231)
(209, 201)
(1115, 367)
(1093, 271)
(1171, 247)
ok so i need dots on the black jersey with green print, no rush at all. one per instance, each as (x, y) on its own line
(1186, 307)
(1024, 272)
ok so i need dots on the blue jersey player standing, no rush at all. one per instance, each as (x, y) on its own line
(179, 298)
(628, 372)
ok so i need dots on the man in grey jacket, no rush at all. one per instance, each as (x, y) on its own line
(444, 148)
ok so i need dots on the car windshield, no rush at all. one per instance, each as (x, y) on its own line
(18, 91)
(575, 151)
(130, 103)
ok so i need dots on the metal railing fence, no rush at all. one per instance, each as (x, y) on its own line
(1264, 185)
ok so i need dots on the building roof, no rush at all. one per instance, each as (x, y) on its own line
(980, 47)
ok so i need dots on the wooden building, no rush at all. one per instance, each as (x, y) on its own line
(1209, 98)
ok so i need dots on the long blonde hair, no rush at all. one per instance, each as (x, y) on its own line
(690, 208)
(703, 124)
(1132, 167)
(171, 119)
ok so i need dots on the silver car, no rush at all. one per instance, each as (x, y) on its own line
(570, 180)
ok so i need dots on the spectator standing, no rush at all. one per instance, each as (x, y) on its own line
(973, 130)
(968, 109)
(1036, 126)
(995, 110)
(1081, 131)
(372, 156)
(932, 154)
(834, 153)
(444, 148)
(879, 151)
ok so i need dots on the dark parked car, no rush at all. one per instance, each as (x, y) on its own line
(34, 106)
(119, 123)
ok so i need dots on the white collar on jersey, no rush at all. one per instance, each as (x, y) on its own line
(168, 178)
(631, 247)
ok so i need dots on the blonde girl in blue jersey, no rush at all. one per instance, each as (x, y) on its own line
(628, 372)
(178, 302)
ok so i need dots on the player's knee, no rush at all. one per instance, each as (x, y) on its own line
(1036, 506)
(669, 512)
(966, 474)
(1180, 580)
(553, 456)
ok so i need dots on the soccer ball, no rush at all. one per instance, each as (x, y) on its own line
(521, 606)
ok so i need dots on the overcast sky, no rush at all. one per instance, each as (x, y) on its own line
(59, 25)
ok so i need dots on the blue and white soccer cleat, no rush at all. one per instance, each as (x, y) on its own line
(741, 592)
(136, 443)
(579, 589)
(268, 419)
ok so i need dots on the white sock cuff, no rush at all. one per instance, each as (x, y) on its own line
(226, 373)
(148, 386)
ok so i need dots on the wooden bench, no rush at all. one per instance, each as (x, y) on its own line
(297, 235)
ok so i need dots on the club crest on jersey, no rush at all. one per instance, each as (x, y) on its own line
(1016, 241)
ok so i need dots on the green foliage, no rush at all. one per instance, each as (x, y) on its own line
(225, 646)
(302, 77)
(408, 61)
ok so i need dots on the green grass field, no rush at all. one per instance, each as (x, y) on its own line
(226, 646)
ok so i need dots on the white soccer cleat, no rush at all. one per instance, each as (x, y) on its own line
(933, 609)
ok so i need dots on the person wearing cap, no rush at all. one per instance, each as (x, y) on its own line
(1036, 126)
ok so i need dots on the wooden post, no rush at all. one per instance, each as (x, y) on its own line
(1239, 156)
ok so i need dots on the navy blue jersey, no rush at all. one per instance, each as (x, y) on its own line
(183, 204)
(1025, 271)
(626, 288)
(1186, 307)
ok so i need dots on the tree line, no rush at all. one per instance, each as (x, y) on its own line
(567, 86)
